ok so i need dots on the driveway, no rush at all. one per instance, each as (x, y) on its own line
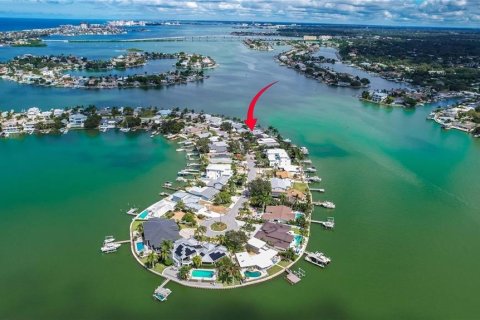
(229, 217)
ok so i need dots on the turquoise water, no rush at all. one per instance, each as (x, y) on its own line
(252, 274)
(298, 215)
(201, 273)
(143, 215)
(406, 195)
(140, 246)
(298, 240)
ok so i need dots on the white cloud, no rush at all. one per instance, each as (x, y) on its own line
(440, 12)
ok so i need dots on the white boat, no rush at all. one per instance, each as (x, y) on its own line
(110, 247)
(304, 150)
(180, 149)
(314, 179)
(125, 129)
(287, 140)
(328, 205)
(318, 258)
(310, 169)
(108, 239)
(132, 211)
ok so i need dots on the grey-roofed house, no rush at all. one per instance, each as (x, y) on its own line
(218, 147)
(275, 235)
(185, 249)
(280, 186)
(157, 230)
(206, 193)
(218, 183)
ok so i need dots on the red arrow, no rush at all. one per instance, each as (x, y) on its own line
(251, 121)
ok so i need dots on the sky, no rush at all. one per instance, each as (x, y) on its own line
(455, 13)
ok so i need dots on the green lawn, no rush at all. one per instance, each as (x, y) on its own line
(218, 226)
(273, 270)
(300, 186)
(159, 267)
(135, 224)
(284, 263)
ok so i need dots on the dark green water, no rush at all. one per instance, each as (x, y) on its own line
(405, 247)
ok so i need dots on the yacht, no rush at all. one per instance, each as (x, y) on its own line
(125, 129)
(304, 150)
(328, 205)
(314, 179)
(108, 239)
(310, 169)
(318, 258)
(110, 247)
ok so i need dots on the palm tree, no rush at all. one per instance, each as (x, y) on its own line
(165, 250)
(228, 271)
(221, 239)
(200, 231)
(197, 261)
(151, 259)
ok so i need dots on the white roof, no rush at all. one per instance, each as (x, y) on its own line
(219, 167)
(262, 260)
(256, 243)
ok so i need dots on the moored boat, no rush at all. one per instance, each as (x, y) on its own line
(317, 258)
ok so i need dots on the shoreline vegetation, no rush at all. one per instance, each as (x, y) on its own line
(302, 59)
(237, 188)
(226, 203)
(34, 37)
(53, 70)
(241, 208)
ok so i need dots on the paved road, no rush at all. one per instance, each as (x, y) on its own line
(229, 217)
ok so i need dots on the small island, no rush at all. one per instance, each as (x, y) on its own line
(53, 71)
(238, 214)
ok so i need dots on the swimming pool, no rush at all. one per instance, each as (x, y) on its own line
(252, 274)
(202, 274)
(298, 215)
(143, 215)
(140, 246)
(298, 240)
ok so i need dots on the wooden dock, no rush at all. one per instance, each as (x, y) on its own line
(122, 241)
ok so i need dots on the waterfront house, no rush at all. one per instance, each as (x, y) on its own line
(215, 171)
(378, 97)
(77, 120)
(184, 250)
(217, 183)
(280, 186)
(11, 127)
(275, 235)
(262, 260)
(278, 214)
(206, 193)
(218, 147)
(157, 230)
(268, 142)
(278, 158)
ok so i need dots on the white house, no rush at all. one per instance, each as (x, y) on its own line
(379, 96)
(215, 171)
(278, 158)
(77, 120)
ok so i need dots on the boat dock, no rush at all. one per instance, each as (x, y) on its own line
(294, 277)
(162, 293)
(328, 224)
